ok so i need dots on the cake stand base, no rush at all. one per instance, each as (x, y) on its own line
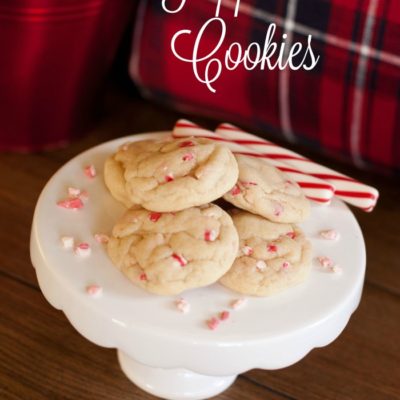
(173, 384)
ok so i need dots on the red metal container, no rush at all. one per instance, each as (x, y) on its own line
(54, 56)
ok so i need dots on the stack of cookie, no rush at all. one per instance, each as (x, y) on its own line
(172, 238)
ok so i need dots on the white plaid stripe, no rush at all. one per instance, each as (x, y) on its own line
(284, 76)
(362, 67)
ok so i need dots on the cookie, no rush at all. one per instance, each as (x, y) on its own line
(115, 181)
(271, 257)
(167, 253)
(264, 190)
(171, 175)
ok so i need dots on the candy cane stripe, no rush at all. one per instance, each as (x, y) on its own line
(348, 189)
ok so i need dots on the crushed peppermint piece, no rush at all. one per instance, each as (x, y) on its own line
(182, 305)
(286, 265)
(188, 157)
(71, 204)
(169, 177)
(90, 171)
(143, 277)
(238, 303)
(83, 250)
(248, 183)
(210, 235)
(292, 235)
(180, 259)
(84, 195)
(325, 262)
(235, 191)
(224, 315)
(278, 210)
(329, 234)
(261, 265)
(67, 242)
(247, 250)
(154, 216)
(186, 143)
(101, 238)
(272, 248)
(94, 290)
(73, 192)
(213, 323)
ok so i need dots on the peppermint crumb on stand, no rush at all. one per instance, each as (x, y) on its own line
(329, 234)
(325, 262)
(224, 315)
(237, 304)
(213, 323)
(83, 250)
(94, 290)
(182, 305)
(90, 171)
(73, 192)
(67, 242)
(71, 204)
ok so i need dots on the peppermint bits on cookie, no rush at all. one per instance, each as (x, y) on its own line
(261, 265)
(169, 177)
(188, 157)
(247, 250)
(179, 259)
(285, 265)
(236, 190)
(154, 216)
(179, 251)
(210, 235)
(186, 143)
(268, 271)
(201, 170)
(261, 189)
(143, 277)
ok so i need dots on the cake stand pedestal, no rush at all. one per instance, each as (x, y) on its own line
(173, 355)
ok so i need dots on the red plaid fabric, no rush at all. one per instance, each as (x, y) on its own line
(348, 105)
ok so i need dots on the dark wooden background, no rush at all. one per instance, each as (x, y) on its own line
(43, 357)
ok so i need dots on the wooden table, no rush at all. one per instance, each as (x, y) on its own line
(43, 357)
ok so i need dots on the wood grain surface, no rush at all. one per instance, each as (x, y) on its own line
(43, 357)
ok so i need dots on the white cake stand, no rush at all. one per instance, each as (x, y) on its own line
(174, 355)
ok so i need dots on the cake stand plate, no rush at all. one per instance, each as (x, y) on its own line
(174, 355)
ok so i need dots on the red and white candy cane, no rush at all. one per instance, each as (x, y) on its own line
(346, 188)
(314, 188)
